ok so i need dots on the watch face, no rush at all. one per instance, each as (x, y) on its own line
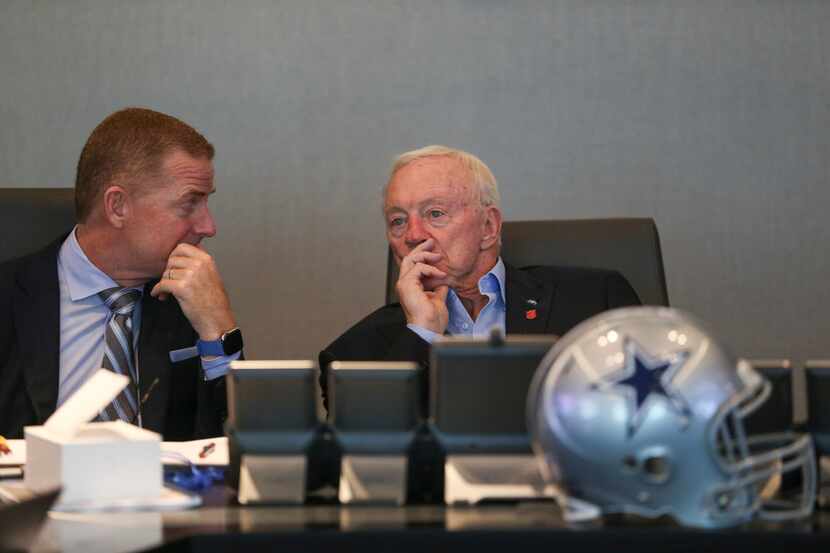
(232, 341)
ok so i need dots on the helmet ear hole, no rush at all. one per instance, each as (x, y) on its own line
(657, 468)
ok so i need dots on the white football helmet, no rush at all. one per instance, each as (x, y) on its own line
(639, 410)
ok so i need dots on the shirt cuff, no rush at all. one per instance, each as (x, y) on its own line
(215, 367)
(426, 334)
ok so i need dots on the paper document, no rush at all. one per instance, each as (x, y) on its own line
(197, 452)
(212, 451)
(16, 455)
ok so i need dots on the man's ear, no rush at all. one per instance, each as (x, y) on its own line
(116, 205)
(492, 227)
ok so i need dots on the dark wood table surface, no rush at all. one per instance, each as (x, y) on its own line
(222, 525)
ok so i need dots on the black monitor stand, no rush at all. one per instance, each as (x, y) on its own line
(272, 421)
(478, 396)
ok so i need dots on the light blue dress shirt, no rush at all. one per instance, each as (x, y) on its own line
(83, 320)
(461, 323)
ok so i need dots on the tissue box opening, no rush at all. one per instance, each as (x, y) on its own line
(111, 431)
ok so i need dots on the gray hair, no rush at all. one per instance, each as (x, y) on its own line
(488, 188)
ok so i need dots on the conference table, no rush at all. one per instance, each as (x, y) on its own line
(221, 524)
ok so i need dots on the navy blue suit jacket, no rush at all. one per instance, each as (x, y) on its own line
(564, 297)
(181, 404)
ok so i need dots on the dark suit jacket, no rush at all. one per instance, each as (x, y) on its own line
(564, 296)
(181, 405)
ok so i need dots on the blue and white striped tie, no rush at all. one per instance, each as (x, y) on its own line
(119, 356)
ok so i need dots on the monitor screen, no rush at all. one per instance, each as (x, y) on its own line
(478, 392)
(371, 396)
(272, 396)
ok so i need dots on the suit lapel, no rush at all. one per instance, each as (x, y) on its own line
(153, 360)
(36, 308)
(529, 303)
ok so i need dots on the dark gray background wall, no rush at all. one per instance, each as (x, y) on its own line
(710, 116)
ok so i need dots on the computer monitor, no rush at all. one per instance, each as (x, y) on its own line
(817, 373)
(272, 423)
(374, 406)
(478, 392)
(374, 409)
(776, 414)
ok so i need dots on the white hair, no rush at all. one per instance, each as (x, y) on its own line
(488, 188)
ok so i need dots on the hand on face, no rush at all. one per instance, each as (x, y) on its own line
(422, 288)
(192, 278)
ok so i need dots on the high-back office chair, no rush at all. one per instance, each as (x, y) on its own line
(30, 218)
(777, 413)
(817, 376)
(628, 245)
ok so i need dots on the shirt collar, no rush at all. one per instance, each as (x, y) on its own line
(486, 284)
(83, 278)
(490, 283)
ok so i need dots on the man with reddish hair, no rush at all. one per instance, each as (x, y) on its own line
(130, 288)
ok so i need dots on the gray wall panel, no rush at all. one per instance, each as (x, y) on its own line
(711, 117)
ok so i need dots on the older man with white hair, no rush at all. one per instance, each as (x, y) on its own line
(443, 224)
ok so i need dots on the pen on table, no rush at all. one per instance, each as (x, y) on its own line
(207, 450)
(4, 446)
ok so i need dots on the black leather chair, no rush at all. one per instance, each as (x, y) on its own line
(628, 245)
(817, 376)
(30, 218)
(776, 414)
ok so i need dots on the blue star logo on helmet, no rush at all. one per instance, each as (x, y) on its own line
(646, 380)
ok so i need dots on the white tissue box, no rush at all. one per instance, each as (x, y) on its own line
(101, 461)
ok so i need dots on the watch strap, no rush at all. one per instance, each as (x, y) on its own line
(230, 340)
